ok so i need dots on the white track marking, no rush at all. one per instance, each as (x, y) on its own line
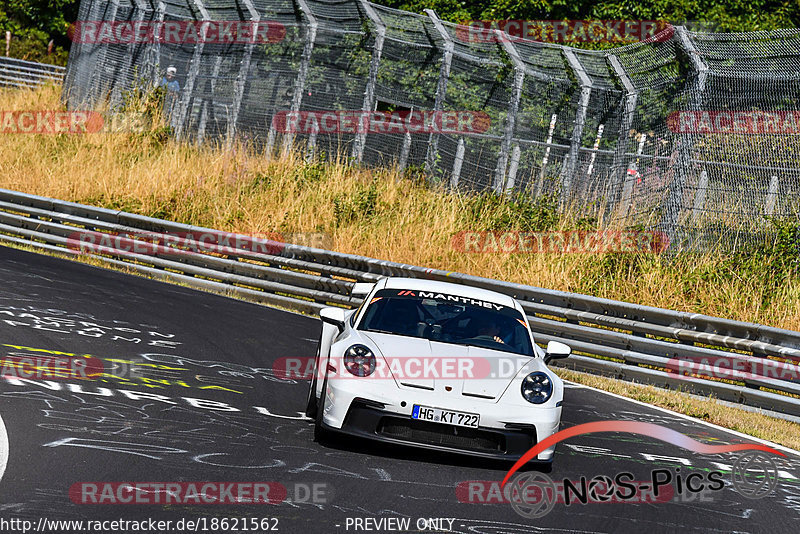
(694, 419)
(3, 448)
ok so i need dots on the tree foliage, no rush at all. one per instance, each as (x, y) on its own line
(34, 23)
(723, 15)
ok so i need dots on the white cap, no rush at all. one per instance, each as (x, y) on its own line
(171, 70)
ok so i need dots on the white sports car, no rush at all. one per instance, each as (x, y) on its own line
(436, 365)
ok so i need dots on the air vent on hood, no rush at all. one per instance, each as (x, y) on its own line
(477, 395)
(418, 386)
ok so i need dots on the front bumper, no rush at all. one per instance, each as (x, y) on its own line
(369, 419)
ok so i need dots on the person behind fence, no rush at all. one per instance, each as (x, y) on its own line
(172, 86)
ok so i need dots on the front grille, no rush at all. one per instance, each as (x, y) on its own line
(428, 433)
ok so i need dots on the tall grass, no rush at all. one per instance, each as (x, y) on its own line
(379, 213)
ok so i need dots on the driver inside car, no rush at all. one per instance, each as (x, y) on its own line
(489, 328)
(404, 314)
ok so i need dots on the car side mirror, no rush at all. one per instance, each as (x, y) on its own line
(361, 289)
(334, 316)
(556, 351)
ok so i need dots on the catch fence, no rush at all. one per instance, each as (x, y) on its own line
(694, 134)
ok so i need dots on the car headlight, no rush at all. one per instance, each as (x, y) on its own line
(359, 360)
(537, 388)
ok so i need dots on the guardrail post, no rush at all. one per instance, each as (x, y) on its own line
(372, 80)
(772, 197)
(683, 163)
(191, 78)
(457, 163)
(441, 90)
(500, 184)
(244, 70)
(580, 121)
(305, 62)
(618, 168)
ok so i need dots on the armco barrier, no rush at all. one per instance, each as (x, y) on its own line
(615, 338)
(28, 74)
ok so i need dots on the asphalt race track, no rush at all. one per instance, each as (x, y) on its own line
(178, 348)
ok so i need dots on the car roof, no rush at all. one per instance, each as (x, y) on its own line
(419, 284)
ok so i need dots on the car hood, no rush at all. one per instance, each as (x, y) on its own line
(473, 372)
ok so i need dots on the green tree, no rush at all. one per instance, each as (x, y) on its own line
(724, 15)
(33, 23)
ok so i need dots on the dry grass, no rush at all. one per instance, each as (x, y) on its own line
(755, 424)
(370, 212)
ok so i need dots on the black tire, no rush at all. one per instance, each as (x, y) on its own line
(320, 434)
(311, 402)
(545, 467)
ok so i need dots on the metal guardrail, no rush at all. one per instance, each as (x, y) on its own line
(615, 338)
(28, 74)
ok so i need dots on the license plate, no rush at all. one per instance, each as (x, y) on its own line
(447, 417)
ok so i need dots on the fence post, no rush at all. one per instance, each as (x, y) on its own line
(201, 128)
(372, 80)
(191, 76)
(161, 9)
(311, 145)
(441, 90)
(516, 152)
(772, 196)
(244, 70)
(77, 90)
(580, 121)
(546, 157)
(627, 185)
(405, 151)
(682, 164)
(618, 167)
(139, 10)
(700, 196)
(500, 184)
(96, 71)
(457, 163)
(595, 148)
(305, 62)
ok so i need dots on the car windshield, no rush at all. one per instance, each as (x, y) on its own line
(448, 319)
